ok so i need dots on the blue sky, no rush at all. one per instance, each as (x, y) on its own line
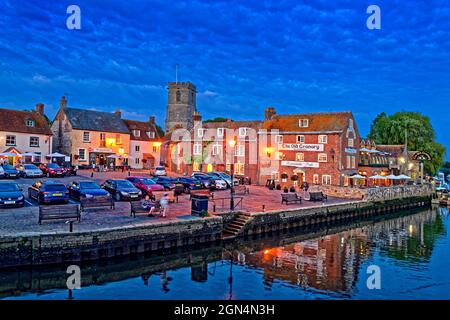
(243, 55)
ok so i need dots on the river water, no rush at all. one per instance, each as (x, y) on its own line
(411, 252)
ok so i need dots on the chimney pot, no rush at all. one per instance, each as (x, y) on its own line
(40, 108)
(269, 113)
(152, 120)
(118, 113)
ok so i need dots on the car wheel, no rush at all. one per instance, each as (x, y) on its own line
(48, 174)
(118, 197)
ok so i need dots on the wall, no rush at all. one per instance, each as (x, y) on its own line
(23, 143)
(145, 147)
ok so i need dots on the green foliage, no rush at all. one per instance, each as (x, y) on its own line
(421, 136)
(160, 131)
(218, 119)
(445, 168)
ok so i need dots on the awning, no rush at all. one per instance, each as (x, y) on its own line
(56, 155)
(9, 154)
(357, 176)
(378, 177)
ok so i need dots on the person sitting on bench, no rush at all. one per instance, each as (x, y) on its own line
(147, 205)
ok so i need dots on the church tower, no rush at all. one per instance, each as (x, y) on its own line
(181, 105)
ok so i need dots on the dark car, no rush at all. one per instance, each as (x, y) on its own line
(207, 181)
(86, 189)
(189, 184)
(170, 184)
(48, 192)
(146, 185)
(70, 171)
(11, 195)
(10, 172)
(52, 170)
(122, 190)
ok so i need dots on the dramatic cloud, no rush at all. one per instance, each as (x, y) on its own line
(242, 55)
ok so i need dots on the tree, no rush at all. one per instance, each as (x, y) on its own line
(218, 119)
(160, 131)
(421, 136)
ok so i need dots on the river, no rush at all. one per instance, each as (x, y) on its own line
(410, 250)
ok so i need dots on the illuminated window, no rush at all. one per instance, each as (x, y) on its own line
(316, 178)
(323, 139)
(322, 157)
(351, 142)
(326, 179)
(118, 139)
(299, 156)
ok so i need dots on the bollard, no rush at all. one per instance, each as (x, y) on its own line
(129, 174)
(264, 207)
(71, 226)
(92, 174)
(214, 208)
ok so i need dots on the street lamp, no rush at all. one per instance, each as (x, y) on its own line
(232, 144)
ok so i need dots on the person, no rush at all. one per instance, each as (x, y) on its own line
(147, 205)
(305, 186)
(164, 202)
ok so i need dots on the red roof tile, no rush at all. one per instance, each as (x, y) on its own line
(15, 121)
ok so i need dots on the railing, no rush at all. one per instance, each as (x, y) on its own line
(399, 192)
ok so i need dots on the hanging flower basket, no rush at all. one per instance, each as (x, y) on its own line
(294, 177)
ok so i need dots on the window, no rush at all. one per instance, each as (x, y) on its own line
(137, 148)
(137, 161)
(300, 139)
(155, 149)
(323, 139)
(322, 157)
(10, 140)
(86, 137)
(351, 142)
(299, 156)
(136, 133)
(178, 96)
(279, 138)
(354, 162)
(220, 132)
(118, 139)
(349, 164)
(81, 154)
(197, 149)
(326, 179)
(200, 133)
(29, 123)
(151, 134)
(239, 168)
(102, 139)
(34, 141)
(303, 123)
(279, 155)
(240, 150)
(315, 178)
(216, 149)
(242, 132)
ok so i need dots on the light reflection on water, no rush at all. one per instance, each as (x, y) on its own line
(412, 252)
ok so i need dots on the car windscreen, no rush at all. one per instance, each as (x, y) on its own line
(30, 167)
(159, 168)
(55, 187)
(147, 181)
(124, 184)
(8, 187)
(8, 167)
(89, 185)
(52, 166)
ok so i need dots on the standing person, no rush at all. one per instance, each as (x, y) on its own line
(164, 202)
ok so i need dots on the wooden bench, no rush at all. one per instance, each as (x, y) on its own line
(317, 196)
(97, 202)
(290, 198)
(241, 190)
(136, 207)
(59, 212)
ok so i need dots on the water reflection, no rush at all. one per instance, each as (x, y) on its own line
(410, 249)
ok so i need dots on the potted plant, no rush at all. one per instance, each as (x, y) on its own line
(278, 186)
(284, 177)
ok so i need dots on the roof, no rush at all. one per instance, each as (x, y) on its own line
(394, 149)
(15, 121)
(143, 127)
(257, 124)
(83, 119)
(318, 122)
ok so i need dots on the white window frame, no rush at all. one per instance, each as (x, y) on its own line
(303, 123)
(315, 178)
(220, 132)
(242, 132)
(151, 134)
(240, 150)
(30, 123)
(35, 145)
(88, 134)
(300, 156)
(137, 148)
(323, 139)
(354, 162)
(349, 165)
(279, 138)
(13, 138)
(239, 168)
(200, 132)
(217, 149)
(299, 138)
(137, 161)
(197, 149)
(79, 156)
(136, 133)
(326, 179)
(322, 157)
(351, 142)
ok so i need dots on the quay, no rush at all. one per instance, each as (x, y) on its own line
(104, 234)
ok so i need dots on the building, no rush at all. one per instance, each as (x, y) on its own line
(90, 137)
(181, 106)
(25, 132)
(145, 144)
(319, 148)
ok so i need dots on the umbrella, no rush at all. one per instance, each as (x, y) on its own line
(392, 177)
(377, 177)
(9, 154)
(114, 156)
(357, 176)
(30, 154)
(404, 177)
(56, 155)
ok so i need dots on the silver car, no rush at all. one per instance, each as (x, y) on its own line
(30, 171)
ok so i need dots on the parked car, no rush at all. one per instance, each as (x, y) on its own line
(11, 195)
(2, 172)
(30, 171)
(48, 192)
(167, 182)
(158, 171)
(10, 172)
(225, 177)
(70, 171)
(51, 170)
(189, 184)
(146, 185)
(86, 189)
(208, 182)
(122, 189)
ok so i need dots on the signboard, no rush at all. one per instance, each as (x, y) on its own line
(422, 156)
(301, 147)
(102, 150)
(300, 164)
(350, 150)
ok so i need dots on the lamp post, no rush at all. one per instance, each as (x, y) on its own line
(232, 144)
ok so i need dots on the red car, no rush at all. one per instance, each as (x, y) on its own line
(146, 185)
(52, 170)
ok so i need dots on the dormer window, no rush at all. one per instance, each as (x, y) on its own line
(29, 123)
(303, 123)
(136, 133)
(151, 134)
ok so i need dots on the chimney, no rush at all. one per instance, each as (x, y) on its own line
(269, 113)
(63, 103)
(152, 120)
(40, 108)
(196, 117)
(118, 113)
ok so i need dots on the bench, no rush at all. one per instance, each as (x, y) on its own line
(97, 202)
(136, 207)
(58, 212)
(241, 190)
(317, 196)
(290, 198)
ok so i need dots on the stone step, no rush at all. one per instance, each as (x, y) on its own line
(236, 225)
(231, 228)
